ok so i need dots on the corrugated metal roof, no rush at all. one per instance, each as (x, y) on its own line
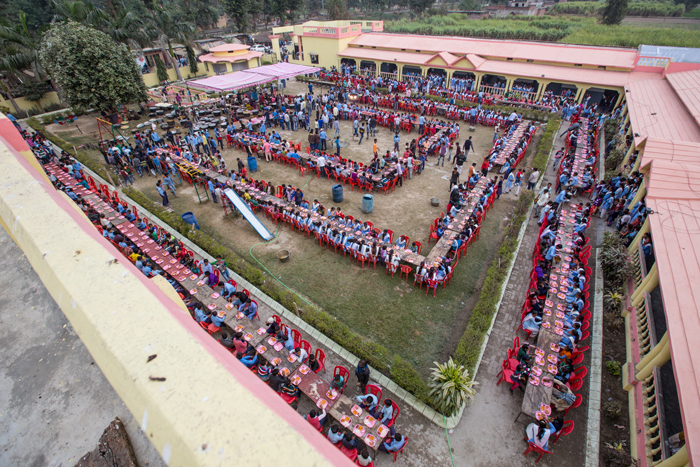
(677, 54)
(687, 86)
(656, 110)
(539, 51)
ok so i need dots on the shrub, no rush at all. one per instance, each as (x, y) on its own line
(613, 367)
(469, 347)
(614, 260)
(612, 410)
(451, 387)
(545, 147)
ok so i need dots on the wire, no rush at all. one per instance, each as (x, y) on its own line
(447, 435)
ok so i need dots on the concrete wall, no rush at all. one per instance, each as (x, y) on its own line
(210, 411)
(48, 99)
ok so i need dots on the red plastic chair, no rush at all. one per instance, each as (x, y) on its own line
(287, 398)
(342, 371)
(420, 246)
(405, 270)
(578, 359)
(396, 453)
(278, 320)
(357, 461)
(396, 414)
(576, 403)
(306, 346)
(374, 389)
(579, 372)
(533, 447)
(433, 285)
(565, 430)
(390, 268)
(505, 373)
(296, 336)
(321, 358)
(351, 453)
(575, 384)
(245, 291)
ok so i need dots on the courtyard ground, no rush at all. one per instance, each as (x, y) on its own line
(420, 328)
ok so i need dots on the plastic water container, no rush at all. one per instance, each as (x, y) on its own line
(189, 218)
(252, 164)
(337, 193)
(367, 203)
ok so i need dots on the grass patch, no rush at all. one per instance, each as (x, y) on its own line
(569, 29)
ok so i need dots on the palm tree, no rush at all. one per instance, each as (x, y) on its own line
(165, 29)
(19, 52)
(123, 26)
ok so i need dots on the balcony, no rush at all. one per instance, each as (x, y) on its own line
(332, 32)
(662, 415)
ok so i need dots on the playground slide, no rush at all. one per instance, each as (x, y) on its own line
(248, 214)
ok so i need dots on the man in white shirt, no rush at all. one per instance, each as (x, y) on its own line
(322, 165)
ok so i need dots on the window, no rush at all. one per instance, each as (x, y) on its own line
(509, 59)
(602, 68)
(314, 58)
(578, 64)
(530, 61)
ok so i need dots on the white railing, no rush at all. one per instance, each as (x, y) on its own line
(492, 90)
(386, 75)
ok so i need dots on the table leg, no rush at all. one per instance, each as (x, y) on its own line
(516, 418)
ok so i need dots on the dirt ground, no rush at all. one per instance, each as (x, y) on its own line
(383, 308)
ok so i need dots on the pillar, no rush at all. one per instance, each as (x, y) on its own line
(649, 283)
(659, 358)
(580, 95)
(620, 95)
(477, 81)
(629, 152)
(653, 353)
(679, 459)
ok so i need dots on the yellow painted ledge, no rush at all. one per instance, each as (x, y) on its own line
(210, 411)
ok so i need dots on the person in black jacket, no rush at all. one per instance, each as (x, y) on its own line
(277, 380)
(362, 373)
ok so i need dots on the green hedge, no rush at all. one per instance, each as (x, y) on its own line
(545, 147)
(469, 346)
(376, 355)
(84, 159)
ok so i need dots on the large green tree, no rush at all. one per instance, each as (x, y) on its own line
(337, 9)
(92, 70)
(614, 11)
(238, 11)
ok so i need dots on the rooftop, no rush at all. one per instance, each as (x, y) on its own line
(657, 110)
(539, 51)
(229, 48)
(673, 194)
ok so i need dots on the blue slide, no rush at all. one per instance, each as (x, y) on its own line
(248, 214)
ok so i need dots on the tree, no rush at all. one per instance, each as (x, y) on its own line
(192, 58)
(237, 10)
(92, 70)
(337, 9)
(125, 26)
(614, 11)
(419, 6)
(33, 91)
(689, 4)
(161, 71)
(165, 28)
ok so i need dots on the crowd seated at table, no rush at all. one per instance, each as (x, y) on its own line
(235, 342)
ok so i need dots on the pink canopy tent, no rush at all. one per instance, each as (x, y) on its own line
(231, 81)
(252, 77)
(283, 70)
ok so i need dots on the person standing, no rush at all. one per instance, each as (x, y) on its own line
(163, 194)
(337, 145)
(532, 180)
(362, 373)
(454, 179)
(468, 145)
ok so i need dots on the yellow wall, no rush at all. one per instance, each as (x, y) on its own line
(327, 50)
(48, 99)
